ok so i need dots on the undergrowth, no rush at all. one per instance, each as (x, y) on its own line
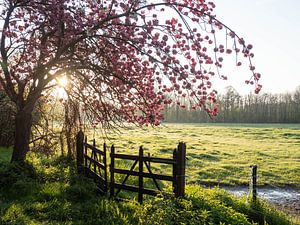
(49, 191)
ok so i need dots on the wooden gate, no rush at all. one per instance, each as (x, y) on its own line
(93, 162)
(177, 178)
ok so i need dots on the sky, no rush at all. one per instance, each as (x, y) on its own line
(273, 27)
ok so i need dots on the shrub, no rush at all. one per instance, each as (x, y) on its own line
(12, 174)
(14, 214)
(191, 210)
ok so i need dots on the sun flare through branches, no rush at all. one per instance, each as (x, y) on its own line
(61, 88)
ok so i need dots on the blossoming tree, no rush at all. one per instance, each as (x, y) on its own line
(125, 59)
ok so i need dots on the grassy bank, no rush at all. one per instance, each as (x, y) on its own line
(48, 191)
(221, 153)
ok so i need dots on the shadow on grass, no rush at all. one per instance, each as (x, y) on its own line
(204, 156)
(52, 193)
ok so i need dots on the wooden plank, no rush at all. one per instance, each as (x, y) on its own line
(136, 189)
(94, 149)
(145, 158)
(112, 173)
(158, 160)
(94, 161)
(94, 156)
(146, 175)
(105, 167)
(140, 195)
(124, 156)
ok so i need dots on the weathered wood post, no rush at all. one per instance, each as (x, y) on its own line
(79, 151)
(253, 182)
(175, 171)
(105, 167)
(94, 155)
(140, 194)
(180, 168)
(112, 175)
(85, 161)
(149, 164)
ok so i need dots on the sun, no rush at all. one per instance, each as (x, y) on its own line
(62, 81)
(61, 88)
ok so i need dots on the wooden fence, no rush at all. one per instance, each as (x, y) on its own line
(92, 162)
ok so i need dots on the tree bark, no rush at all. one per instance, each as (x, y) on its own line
(22, 135)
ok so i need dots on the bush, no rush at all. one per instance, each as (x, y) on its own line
(198, 208)
(209, 206)
(12, 173)
(17, 180)
(14, 214)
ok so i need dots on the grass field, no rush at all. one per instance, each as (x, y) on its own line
(221, 153)
(48, 190)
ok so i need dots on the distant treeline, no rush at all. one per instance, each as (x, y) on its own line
(251, 108)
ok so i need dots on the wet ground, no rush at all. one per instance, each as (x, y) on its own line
(284, 198)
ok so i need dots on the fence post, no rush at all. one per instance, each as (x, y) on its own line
(175, 172)
(112, 175)
(140, 194)
(180, 176)
(149, 163)
(105, 167)
(85, 152)
(79, 151)
(94, 156)
(253, 182)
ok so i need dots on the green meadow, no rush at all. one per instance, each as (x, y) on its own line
(49, 191)
(219, 153)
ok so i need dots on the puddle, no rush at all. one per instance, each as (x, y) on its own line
(272, 194)
(285, 198)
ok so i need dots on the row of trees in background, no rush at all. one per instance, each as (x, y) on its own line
(250, 108)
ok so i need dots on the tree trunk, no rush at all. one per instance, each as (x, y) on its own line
(22, 135)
